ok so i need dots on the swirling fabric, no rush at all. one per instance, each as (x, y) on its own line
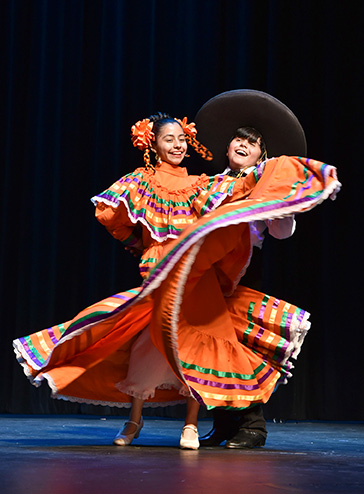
(228, 344)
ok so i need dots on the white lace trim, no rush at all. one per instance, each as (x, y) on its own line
(117, 404)
(150, 393)
(24, 362)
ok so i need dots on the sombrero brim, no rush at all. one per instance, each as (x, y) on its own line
(219, 118)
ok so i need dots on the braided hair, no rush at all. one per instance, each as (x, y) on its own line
(199, 148)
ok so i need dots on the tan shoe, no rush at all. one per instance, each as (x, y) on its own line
(122, 439)
(189, 443)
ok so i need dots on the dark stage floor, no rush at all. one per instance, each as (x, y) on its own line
(73, 455)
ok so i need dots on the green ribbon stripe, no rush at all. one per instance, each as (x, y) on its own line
(149, 260)
(92, 314)
(33, 349)
(214, 372)
(294, 186)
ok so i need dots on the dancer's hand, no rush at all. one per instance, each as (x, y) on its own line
(136, 249)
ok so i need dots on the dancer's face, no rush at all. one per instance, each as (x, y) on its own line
(170, 144)
(241, 153)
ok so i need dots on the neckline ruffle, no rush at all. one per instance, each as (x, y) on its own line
(176, 170)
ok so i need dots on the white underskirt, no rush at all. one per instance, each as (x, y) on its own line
(148, 370)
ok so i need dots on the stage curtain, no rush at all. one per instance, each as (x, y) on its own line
(77, 74)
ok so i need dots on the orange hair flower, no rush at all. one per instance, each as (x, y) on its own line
(188, 129)
(142, 134)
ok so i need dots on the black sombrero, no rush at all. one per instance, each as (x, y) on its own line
(218, 119)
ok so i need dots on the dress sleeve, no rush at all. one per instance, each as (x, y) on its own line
(117, 222)
(281, 227)
(114, 208)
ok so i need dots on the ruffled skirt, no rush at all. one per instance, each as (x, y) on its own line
(225, 344)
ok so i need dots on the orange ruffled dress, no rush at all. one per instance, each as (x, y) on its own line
(227, 344)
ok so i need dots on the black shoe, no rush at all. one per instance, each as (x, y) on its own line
(246, 439)
(214, 438)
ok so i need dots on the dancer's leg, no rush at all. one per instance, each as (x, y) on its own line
(134, 416)
(133, 426)
(192, 412)
(189, 437)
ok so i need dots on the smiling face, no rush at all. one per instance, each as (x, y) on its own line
(170, 143)
(246, 148)
(242, 152)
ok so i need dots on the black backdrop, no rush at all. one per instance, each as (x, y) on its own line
(77, 74)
